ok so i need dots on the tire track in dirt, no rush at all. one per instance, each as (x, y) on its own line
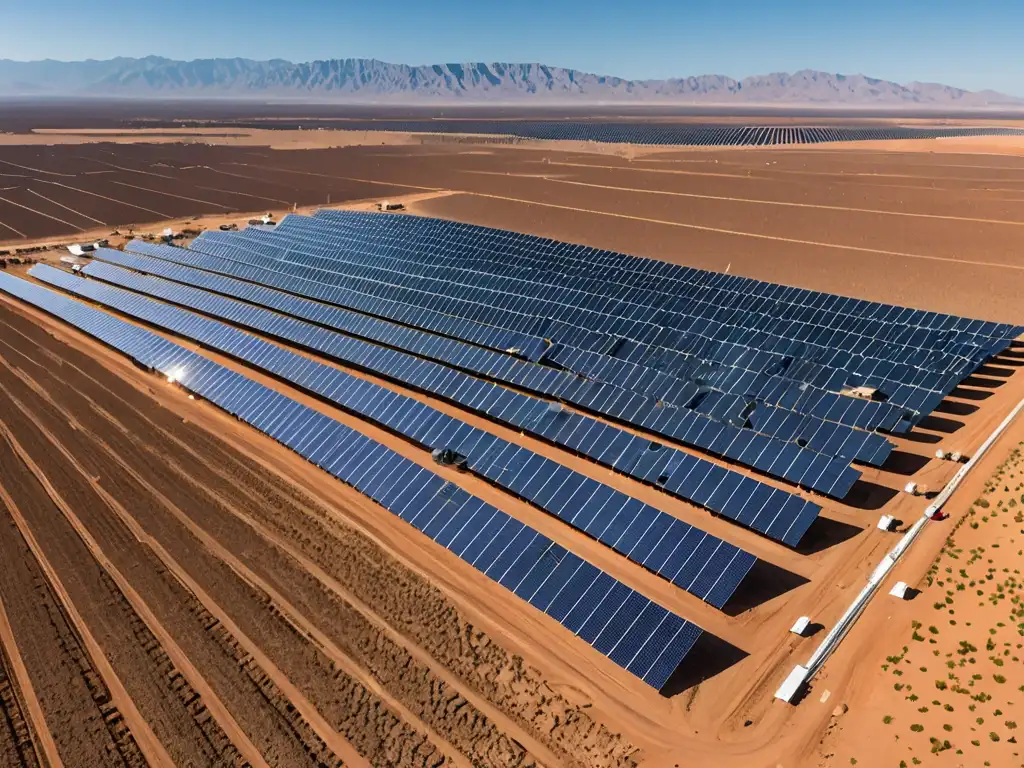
(21, 717)
(61, 205)
(778, 203)
(185, 608)
(12, 229)
(753, 235)
(359, 714)
(84, 719)
(337, 646)
(149, 623)
(117, 637)
(40, 213)
(349, 635)
(380, 582)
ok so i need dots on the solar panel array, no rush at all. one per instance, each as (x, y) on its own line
(777, 514)
(752, 372)
(635, 633)
(658, 366)
(682, 134)
(709, 424)
(692, 559)
(588, 394)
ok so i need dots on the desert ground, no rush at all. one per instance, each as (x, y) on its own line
(935, 224)
(183, 590)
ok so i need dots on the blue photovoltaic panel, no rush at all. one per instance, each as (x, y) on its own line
(601, 442)
(832, 477)
(599, 395)
(635, 633)
(450, 246)
(564, 493)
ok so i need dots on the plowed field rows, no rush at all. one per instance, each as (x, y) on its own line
(176, 602)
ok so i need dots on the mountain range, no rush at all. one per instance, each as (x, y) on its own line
(369, 80)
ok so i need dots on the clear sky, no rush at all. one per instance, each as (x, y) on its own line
(972, 44)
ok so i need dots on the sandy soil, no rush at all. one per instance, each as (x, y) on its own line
(949, 690)
(289, 628)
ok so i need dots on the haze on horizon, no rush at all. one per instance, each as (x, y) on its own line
(973, 46)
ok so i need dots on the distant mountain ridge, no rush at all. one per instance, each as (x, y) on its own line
(372, 80)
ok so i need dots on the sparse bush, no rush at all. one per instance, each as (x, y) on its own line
(917, 728)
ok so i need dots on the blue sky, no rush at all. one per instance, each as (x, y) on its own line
(969, 44)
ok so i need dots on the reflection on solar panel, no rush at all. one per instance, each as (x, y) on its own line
(693, 560)
(666, 134)
(770, 511)
(634, 632)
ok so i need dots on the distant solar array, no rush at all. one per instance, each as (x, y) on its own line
(681, 134)
(635, 633)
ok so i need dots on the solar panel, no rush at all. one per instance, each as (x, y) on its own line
(600, 442)
(448, 299)
(632, 631)
(433, 429)
(687, 426)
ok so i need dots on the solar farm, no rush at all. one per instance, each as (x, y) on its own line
(478, 484)
(702, 135)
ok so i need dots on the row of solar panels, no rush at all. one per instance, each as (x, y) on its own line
(644, 534)
(524, 309)
(911, 386)
(505, 250)
(444, 250)
(637, 634)
(791, 458)
(770, 511)
(669, 134)
(769, 387)
(908, 385)
(443, 244)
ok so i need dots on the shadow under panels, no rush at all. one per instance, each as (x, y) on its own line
(638, 635)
